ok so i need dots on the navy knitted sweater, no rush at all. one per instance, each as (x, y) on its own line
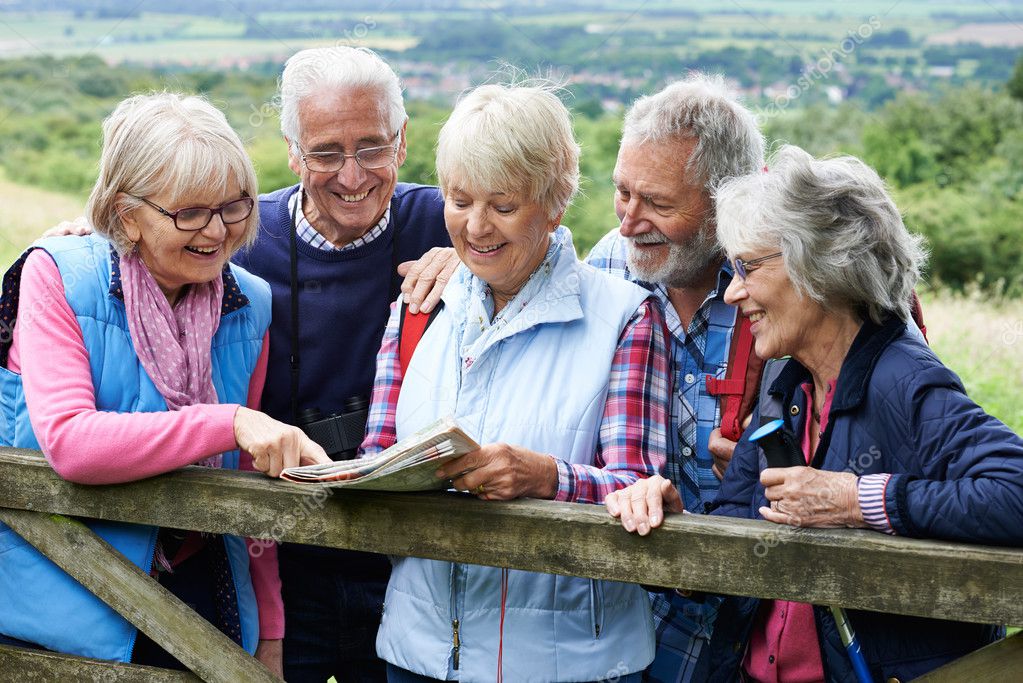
(344, 298)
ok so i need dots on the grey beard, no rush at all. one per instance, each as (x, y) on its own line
(687, 263)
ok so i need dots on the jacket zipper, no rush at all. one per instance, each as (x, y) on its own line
(456, 636)
(457, 644)
(596, 607)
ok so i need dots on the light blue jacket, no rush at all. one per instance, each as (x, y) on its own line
(40, 603)
(540, 382)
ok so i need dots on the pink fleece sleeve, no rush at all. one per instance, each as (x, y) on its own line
(266, 579)
(83, 444)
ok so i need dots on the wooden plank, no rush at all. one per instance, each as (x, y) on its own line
(138, 598)
(1001, 661)
(856, 569)
(33, 666)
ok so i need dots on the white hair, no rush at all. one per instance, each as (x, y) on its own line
(728, 140)
(841, 236)
(312, 72)
(514, 138)
(166, 143)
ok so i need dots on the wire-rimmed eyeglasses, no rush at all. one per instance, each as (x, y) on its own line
(744, 268)
(369, 158)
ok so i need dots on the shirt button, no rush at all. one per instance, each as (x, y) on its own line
(770, 660)
(690, 378)
(687, 451)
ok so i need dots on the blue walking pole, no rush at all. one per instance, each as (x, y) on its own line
(852, 645)
(781, 450)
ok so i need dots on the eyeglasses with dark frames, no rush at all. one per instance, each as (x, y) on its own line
(744, 268)
(369, 158)
(195, 218)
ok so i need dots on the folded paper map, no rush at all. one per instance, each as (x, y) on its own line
(408, 465)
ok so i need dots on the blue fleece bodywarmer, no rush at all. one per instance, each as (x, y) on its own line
(39, 602)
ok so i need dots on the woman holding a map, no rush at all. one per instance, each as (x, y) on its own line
(135, 352)
(559, 370)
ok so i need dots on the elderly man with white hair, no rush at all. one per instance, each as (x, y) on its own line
(329, 247)
(677, 145)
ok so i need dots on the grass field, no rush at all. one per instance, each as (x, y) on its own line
(26, 213)
(980, 340)
(238, 36)
(155, 38)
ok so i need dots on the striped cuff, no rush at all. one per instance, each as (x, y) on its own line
(566, 482)
(870, 491)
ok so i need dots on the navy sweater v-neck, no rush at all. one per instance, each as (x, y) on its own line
(343, 303)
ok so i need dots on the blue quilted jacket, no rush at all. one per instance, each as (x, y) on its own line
(957, 475)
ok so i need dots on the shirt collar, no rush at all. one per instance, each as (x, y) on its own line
(715, 295)
(234, 299)
(311, 236)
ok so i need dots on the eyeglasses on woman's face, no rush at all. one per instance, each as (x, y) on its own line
(193, 218)
(744, 268)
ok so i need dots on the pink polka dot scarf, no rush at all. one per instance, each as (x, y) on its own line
(173, 344)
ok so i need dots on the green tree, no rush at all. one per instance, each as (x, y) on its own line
(916, 138)
(1015, 85)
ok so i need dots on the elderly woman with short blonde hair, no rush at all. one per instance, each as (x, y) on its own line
(561, 372)
(885, 435)
(162, 354)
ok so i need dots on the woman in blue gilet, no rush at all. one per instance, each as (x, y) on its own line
(138, 350)
(559, 369)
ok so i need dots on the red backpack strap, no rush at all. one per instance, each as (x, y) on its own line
(411, 328)
(738, 390)
(916, 311)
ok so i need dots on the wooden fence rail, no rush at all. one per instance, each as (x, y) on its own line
(855, 569)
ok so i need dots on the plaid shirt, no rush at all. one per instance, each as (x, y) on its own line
(632, 437)
(307, 233)
(684, 625)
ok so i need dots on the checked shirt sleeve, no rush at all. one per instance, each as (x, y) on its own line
(633, 440)
(380, 431)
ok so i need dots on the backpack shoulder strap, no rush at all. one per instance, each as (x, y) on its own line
(916, 311)
(739, 388)
(411, 328)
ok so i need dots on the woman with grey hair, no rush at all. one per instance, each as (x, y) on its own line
(162, 348)
(884, 436)
(522, 307)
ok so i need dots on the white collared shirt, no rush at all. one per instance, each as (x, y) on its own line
(308, 234)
